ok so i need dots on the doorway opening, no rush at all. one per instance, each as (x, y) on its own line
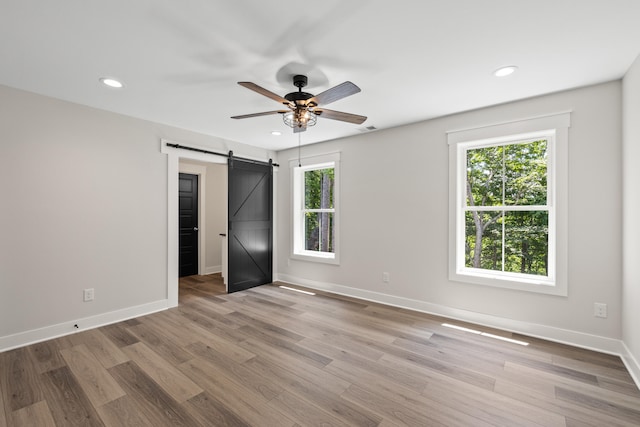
(176, 155)
(202, 217)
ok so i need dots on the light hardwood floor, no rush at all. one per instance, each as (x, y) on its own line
(272, 357)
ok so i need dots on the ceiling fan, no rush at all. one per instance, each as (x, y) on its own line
(304, 108)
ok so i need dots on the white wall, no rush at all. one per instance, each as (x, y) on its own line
(83, 204)
(631, 216)
(394, 218)
(216, 215)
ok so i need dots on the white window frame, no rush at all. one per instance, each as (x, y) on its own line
(298, 167)
(555, 129)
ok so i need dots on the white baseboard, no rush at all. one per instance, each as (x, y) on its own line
(564, 336)
(632, 364)
(54, 331)
(213, 269)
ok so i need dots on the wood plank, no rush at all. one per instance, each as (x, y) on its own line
(352, 369)
(210, 411)
(391, 409)
(96, 382)
(283, 370)
(161, 344)
(149, 398)
(123, 412)
(46, 356)
(235, 371)
(486, 347)
(357, 328)
(37, 414)
(257, 338)
(67, 401)
(608, 406)
(205, 307)
(18, 380)
(403, 397)
(488, 406)
(107, 353)
(592, 390)
(317, 393)
(221, 344)
(267, 328)
(3, 416)
(119, 335)
(168, 328)
(254, 311)
(251, 405)
(164, 373)
(619, 386)
(558, 406)
(612, 371)
(410, 364)
(333, 343)
(303, 412)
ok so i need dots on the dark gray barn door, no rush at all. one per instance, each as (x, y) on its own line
(249, 235)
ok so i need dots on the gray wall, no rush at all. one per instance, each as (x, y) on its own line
(394, 218)
(83, 205)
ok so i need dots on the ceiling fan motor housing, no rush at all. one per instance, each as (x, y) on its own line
(300, 81)
(299, 97)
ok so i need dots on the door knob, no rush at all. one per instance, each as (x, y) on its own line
(195, 228)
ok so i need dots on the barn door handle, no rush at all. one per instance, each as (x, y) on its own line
(195, 228)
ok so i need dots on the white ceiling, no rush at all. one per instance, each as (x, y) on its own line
(413, 60)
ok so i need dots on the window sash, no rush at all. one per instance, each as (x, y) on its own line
(461, 235)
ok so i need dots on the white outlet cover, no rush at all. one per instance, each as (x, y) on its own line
(600, 310)
(88, 295)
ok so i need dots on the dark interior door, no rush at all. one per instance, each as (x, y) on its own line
(188, 211)
(249, 235)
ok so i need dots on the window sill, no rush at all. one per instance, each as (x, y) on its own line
(316, 257)
(540, 286)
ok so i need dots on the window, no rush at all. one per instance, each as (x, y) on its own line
(509, 205)
(315, 201)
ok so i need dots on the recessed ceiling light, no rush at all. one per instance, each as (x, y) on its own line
(505, 71)
(276, 133)
(108, 81)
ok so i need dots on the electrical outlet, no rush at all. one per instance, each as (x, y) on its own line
(385, 277)
(600, 310)
(88, 295)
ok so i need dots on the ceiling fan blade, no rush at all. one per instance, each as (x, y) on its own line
(262, 91)
(339, 115)
(335, 93)
(266, 113)
(298, 129)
